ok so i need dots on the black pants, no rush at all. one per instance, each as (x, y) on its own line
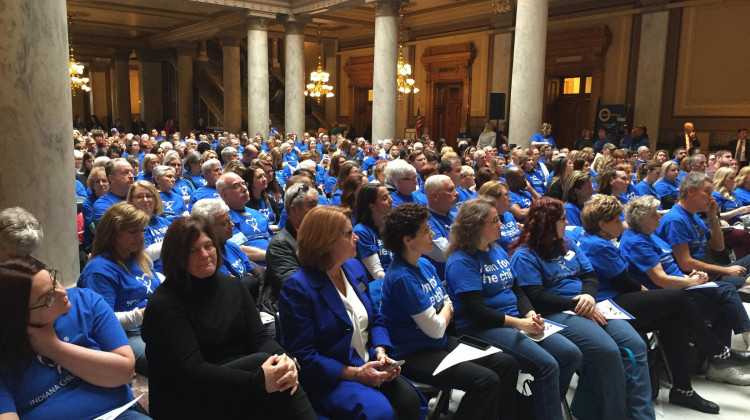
(489, 382)
(672, 314)
(274, 405)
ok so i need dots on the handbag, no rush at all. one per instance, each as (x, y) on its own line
(585, 405)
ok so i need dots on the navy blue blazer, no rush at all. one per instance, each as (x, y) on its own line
(316, 328)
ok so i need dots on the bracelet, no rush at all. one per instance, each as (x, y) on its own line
(356, 372)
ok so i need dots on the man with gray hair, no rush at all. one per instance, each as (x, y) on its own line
(20, 233)
(441, 197)
(401, 179)
(281, 255)
(229, 154)
(695, 163)
(643, 155)
(211, 171)
(120, 177)
(691, 239)
(251, 228)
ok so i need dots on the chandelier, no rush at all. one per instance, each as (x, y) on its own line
(76, 69)
(405, 83)
(318, 86)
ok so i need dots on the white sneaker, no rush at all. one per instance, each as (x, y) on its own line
(730, 375)
(746, 339)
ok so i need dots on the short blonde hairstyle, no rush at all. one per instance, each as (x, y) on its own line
(96, 174)
(600, 208)
(122, 216)
(317, 236)
(739, 180)
(637, 209)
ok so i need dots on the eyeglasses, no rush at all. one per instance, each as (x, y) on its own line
(49, 297)
(412, 179)
(141, 197)
(225, 223)
(348, 233)
(495, 220)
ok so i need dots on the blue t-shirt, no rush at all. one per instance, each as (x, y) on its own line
(291, 158)
(201, 193)
(399, 198)
(103, 203)
(184, 188)
(44, 390)
(559, 276)
(463, 196)
(537, 181)
(235, 262)
(267, 211)
(370, 243)
(330, 183)
(368, 163)
(679, 227)
(250, 228)
(643, 188)
(643, 252)
(573, 233)
(174, 205)
(123, 288)
(146, 177)
(440, 224)
(87, 210)
(488, 271)
(509, 231)
(522, 198)
(742, 196)
(726, 205)
(606, 260)
(154, 234)
(665, 188)
(539, 138)
(197, 179)
(681, 175)
(573, 214)
(410, 290)
(80, 191)
(335, 198)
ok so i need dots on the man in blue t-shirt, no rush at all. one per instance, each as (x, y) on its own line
(211, 171)
(452, 168)
(690, 237)
(441, 196)
(251, 231)
(120, 177)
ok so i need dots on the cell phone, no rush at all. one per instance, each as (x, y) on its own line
(474, 342)
(394, 365)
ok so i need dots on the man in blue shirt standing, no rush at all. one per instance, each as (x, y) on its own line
(690, 237)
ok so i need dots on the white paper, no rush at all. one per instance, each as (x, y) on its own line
(463, 353)
(611, 310)
(549, 329)
(117, 411)
(704, 285)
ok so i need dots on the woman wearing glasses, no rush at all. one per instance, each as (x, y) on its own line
(66, 341)
(122, 273)
(329, 324)
(173, 204)
(146, 198)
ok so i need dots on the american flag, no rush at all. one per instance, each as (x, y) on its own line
(419, 124)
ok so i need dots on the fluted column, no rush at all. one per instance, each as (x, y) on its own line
(36, 99)
(384, 86)
(257, 75)
(121, 97)
(185, 54)
(652, 59)
(294, 74)
(232, 94)
(150, 86)
(527, 80)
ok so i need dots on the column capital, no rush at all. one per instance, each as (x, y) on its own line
(258, 21)
(148, 55)
(387, 7)
(122, 54)
(294, 24)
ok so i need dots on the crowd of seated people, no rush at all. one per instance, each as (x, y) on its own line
(295, 277)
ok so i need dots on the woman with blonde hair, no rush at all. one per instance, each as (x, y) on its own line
(742, 186)
(99, 185)
(330, 325)
(148, 164)
(730, 210)
(668, 187)
(144, 195)
(121, 272)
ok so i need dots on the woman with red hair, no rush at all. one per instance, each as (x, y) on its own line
(562, 285)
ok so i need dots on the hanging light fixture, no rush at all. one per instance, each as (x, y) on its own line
(318, 86)
(405, 83)
(76, 69)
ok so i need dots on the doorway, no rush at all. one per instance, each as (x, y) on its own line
(446, 111)
(569, 108)
(362, 118)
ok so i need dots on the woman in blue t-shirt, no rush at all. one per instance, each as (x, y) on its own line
(668, 187)
(561, 284)
(578, 189)
(509, 228)
(63, 353)
(373, 205)
(730, 210)
(122, 273)
(144, 195)
(534, 175)
(261, 198)
(417, 311)
(521, 193)
(742, 186)
(490, 305)
(173, 203)
(647, 174)
(668, 311)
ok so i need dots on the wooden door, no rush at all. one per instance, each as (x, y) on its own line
(362, 110)
(446, 110)
(568, 110)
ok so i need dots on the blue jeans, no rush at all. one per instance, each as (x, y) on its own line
(736, 281)
(723, 308)
(552, 362)
(605, 367)
(139, 351)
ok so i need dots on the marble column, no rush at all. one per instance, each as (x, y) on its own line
(257, 75)
(384, 85)
(149, 74)
(101, 103)
(231, 78)
(527, 79)
(121, 97)
(185, 54)
(36, 99)
(294, 74)
(650, 74)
